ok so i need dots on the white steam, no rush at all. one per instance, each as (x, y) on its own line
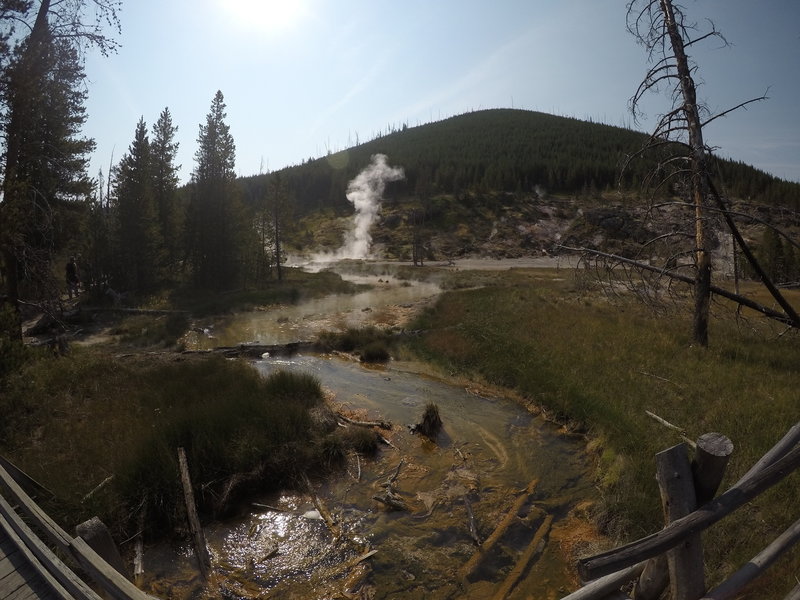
(365, 192)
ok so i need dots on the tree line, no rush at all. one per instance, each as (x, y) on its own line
(133, 229)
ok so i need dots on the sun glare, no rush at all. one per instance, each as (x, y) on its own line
(272, 16)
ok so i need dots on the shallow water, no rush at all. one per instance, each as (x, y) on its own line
(382, 305)
(489, 451)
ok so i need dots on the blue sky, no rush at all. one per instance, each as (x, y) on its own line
(304, 77)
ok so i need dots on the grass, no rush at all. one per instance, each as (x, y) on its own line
(601, 366)
(73, 421)
(369, 343)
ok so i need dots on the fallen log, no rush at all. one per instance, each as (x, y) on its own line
(524, 562)
(380, 424)
(465, 571)
(203, 558)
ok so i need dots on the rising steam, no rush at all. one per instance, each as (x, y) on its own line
(365, 192)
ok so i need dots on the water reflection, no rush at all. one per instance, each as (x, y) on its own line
(383, 305)
(490, 451)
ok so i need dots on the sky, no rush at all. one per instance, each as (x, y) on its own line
(302, 78)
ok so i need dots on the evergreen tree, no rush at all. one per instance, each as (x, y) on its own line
(137, 234)
(216, 248)
(45, 160)
(42, 110)
(163, 150)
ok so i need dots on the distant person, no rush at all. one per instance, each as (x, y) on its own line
(73, 279)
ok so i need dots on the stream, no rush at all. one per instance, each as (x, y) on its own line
(494, 462)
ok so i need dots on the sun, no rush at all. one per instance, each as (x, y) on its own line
(269, 16)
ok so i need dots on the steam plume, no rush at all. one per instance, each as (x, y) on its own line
(365, 192)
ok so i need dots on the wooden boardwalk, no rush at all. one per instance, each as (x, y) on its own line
(32, 569)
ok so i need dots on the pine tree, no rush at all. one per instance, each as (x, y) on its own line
(163, 150)
(215, 209)
(42, 109)
(137, 234)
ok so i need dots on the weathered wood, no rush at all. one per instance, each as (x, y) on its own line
(95, 533)
(466, 570)
(40, 519)
(201, 551)
(685, 561)
(794, 594)
(653, 580)
(732, 586)
(28, 483)
(99, 486)
(380, 424)
(40, 557)
(712, 452)
(323, 511)
(473, 529)
(681, 431)
(115, 584)
(138, 556)
(602, 587)
(784, 445)
(676, 532)
(524, 562)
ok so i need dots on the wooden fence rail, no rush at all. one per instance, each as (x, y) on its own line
(113, 583)
(673, 556)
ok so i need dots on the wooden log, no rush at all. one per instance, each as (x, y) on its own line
(712, 452)
(322, 509)
(672, 535)
(653, 580)
(473, 529)
(524, 562)
(380, 424)
(201, 551)
(602, 587)
(467, 569)
(784, 445)
(732, 586)
(685, 561)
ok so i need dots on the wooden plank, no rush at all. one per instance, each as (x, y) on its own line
(57, 575)
(41, 520)
(21, 477)
(108, 577)
(678, 531)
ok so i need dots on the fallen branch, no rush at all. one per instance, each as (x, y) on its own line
(380, 424)
(668, 425)
(322, 509)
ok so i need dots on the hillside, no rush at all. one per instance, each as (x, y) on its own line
(502, 182)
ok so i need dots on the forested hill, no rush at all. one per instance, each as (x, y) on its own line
(502, 150)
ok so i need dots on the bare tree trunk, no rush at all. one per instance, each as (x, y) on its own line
(702, 288)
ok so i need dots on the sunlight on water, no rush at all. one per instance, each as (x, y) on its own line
(489, 451)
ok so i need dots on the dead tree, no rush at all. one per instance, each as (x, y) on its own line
(683, 156)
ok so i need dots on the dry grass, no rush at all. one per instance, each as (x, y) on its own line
(605, 364)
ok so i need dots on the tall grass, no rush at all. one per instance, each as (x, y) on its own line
(602, 366)
(88, 416)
